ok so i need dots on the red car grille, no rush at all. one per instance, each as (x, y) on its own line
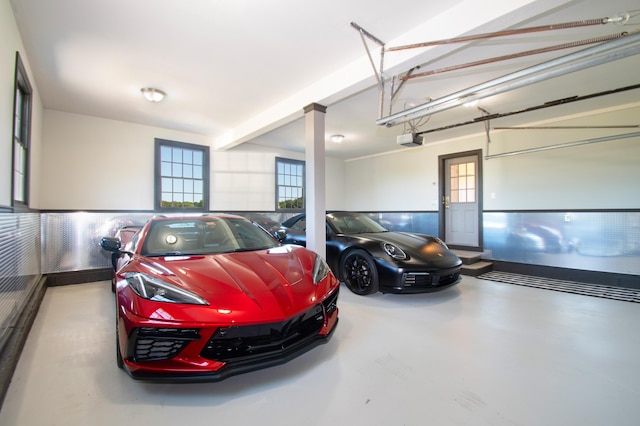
(425, 279)
(251, 341)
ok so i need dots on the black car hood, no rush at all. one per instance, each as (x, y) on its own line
(418, 246)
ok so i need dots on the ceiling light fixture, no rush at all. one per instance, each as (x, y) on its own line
(337, 138)
(153, 95)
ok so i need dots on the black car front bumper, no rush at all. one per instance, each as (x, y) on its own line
(394, 280)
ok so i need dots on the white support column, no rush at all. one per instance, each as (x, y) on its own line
(315, 181)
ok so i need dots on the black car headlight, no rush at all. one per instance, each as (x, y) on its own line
(394, 251)
(320, 270)
(152, 288)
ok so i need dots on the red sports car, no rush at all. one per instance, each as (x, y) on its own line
(207, 297)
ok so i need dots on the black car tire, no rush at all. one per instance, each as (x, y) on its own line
(114, 264)
(359, 272)
(119, 361)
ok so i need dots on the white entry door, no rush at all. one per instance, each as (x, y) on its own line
(460, 201)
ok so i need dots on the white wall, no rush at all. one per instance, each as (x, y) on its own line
(404, 180)
(10, 43)
(595, 176)
(80, 162)
(245, 176)
(87, 163)
(90, 163)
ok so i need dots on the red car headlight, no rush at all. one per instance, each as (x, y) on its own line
(155, 289)
(320, 270)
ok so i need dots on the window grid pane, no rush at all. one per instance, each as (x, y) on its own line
(182, 181)
(289, 184)
(21, 135)
(462, 183)
(19, 171)
(18, 118)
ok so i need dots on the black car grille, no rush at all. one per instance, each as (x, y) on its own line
(331, 303)
(250, 341)
(155, 344)
(425, 279)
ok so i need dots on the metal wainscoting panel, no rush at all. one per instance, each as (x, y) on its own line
(70, 240)
(19, 264)
(596, 290)
(604, 241)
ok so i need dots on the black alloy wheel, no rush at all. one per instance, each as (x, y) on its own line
(359, 272)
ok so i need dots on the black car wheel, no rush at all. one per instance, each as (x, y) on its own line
(359, 272)
(114, 263)
(119, 361)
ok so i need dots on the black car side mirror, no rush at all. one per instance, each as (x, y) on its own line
(111, 244)
(281, 235)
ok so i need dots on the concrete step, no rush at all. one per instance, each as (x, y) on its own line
(468, 257)
(472, 263)
(477, 268)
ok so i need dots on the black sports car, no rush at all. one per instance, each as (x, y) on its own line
(369, 258)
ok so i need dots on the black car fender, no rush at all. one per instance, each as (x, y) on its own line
(339, 248)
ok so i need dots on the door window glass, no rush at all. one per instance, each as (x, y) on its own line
(463, 183)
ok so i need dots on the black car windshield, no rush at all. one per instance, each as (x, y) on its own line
(353, 223)
(204, 235)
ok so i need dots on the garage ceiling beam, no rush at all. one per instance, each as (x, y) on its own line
(564, 145)
(549, 104)
(602, 53)
(620, 19)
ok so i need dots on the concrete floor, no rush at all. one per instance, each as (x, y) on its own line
(482, 353)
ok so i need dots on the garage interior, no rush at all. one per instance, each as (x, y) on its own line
(478, 353)
(539, 331)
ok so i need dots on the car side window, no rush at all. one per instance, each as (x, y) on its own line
(329, 230)
(133, 243)
(338, 224)
(300, 225)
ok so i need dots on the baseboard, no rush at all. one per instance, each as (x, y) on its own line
(567, 274)
(11, 350)
(78, 277)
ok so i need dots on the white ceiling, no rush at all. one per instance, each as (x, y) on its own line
(241, 71)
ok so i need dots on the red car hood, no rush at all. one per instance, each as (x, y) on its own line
(272, 284)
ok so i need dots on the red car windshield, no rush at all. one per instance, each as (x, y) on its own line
(204, 235)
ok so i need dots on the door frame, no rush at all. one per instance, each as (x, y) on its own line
(441, 191)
